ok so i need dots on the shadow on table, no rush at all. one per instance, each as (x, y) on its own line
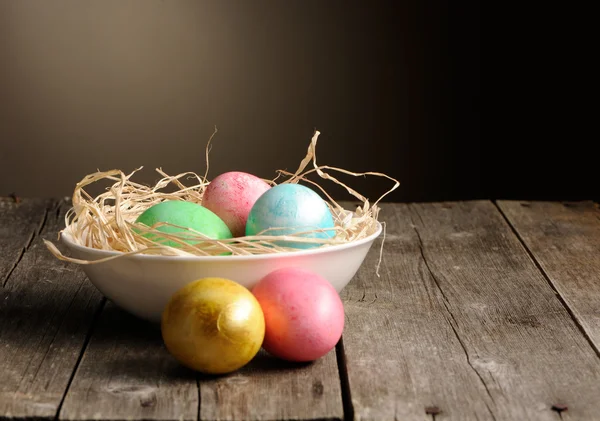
(131, 349)
(263, 361)
(40, 314)
(119, 343)
(262, 364)
(139, 338)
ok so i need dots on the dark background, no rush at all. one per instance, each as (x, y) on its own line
(393, 87)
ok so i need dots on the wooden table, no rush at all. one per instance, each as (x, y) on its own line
(482, 311)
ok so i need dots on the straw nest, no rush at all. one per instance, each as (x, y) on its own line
(107, 221)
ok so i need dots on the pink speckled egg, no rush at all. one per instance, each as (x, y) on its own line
(304, 315)
(231, 195)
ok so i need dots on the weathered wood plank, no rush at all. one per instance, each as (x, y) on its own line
(127, 374)
(565, 241)
(524, 344)
(20, 223)
(462, 320)
(271, 389)
(46, 310)
(402, 354)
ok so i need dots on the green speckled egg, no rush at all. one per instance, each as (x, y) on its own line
(185, 214)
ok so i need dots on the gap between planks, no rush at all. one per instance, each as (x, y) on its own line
(550, 283)
(34, 234)
(80, 357)
(342, 364)
(491, 265)
(52, 339)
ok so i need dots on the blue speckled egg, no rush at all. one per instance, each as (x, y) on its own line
(294, 208)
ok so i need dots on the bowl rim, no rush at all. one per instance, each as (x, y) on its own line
(67, 239)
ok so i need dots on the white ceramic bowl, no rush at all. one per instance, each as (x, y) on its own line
(143, 284)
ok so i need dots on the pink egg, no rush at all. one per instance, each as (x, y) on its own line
(304, 315)
(231, 195)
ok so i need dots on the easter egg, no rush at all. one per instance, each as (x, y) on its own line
(231, 195)
(184, 214)
(304, 315)
(213, 325)
(292, 208)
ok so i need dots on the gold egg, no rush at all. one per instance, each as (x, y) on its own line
(213, 325)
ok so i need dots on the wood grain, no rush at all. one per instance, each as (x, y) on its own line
(46, 310)
(565, 239)
(461, 320)
(271, 389)
(20, 223)
(127, 374)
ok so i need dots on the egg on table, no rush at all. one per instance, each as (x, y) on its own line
(304, 315)
(292, 208)
(213, 325)
(231, 195)
(184, 214)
